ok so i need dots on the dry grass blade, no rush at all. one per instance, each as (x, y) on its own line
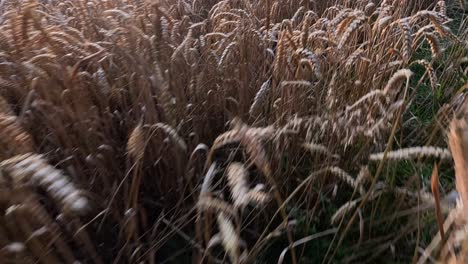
(435, 192)
(305, 240)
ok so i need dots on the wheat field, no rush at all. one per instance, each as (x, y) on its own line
(233, 131)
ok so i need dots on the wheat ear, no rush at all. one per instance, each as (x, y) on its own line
(33, 169)
(414, 152)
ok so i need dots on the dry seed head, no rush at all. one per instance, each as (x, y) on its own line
(434, 16)
(389, 66)
(237, 176)
(14, 139)
(442, 7)
(430, 71)
(372, 95)
(407, 38)
(260, 98)
(355, 24)
(345, 13)
(383, 22)
(214, 240)
(136, 143)
(344, 25)
(425, 196)
(286, 26)
(414, 152)
(257, 196)
(229, 237)
(172, 133)
(241, 131)
(354, 57)
(434, 44)
(307, 21)
(280, 58)
(42, 58)
(251, 139)
(297, 15)
(101, 79)
(350, 205)
(116, 12)
(33, 169)
(344, 176)
(343, 210)
(396, 80)
(226, 52)
(314, 147)
(15, 247)
(363, 176)
(206, 203)
(369, 9)
(295, 84)
(445, 31)
(164, 95)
